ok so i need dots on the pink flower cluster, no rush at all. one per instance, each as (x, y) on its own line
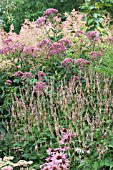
(65, 41)
(81, 61)
(28, 50)
(7, 41)
(67, 61)
(44, 43)
(92, 35)
(50, 12)
(40, 21)
(57, 48)
(40, 75)
(95, 54)
(56, 160)
(23, 75)
(7, 50)
(39, 86)
(79, 32)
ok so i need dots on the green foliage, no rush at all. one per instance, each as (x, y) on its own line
(94, 11)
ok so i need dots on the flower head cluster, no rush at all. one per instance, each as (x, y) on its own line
(28, 50)
(27, 75)
(92, 35)
(95, 54)
(39, 86)
(67, 61)
(23, 75)
(7, 41)
(40, 75)
(40, 21)
(57, 48)
(18, 74)
(65, 42)
(79, 32)
(50, 12)
(81, 62)
(44, 43)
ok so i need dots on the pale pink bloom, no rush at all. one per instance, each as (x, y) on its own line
(50, 11)
(9, 81)
(7, 168)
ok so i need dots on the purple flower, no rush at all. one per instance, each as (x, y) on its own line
(79, 32)
(95, 54)
(92, 35)
(57, 48)
(39, 86)
(66, 62)
(50, 11)
(28, 50)
(65, 41)
(40, 21)
(27, 75)
(81, 61)
(18, 74)
(44, 42)
(7, 41)
(41, 74)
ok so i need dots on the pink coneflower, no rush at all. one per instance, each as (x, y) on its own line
(50, 11)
